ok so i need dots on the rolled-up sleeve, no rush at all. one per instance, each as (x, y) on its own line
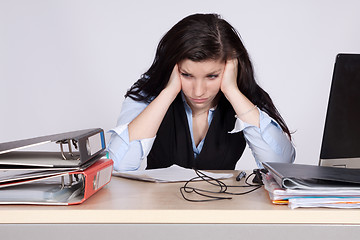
(268, 143)
(127, 156)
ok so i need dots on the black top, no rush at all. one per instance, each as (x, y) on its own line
(173, 144)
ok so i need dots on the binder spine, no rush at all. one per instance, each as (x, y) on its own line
(96, 177)
(276, 175)
(91, 146)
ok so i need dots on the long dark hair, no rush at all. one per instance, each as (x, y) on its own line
(202, 37)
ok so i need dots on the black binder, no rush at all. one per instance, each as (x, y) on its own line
(299, 176)
(83, 148)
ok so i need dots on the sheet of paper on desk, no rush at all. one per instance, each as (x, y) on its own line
(174, 173)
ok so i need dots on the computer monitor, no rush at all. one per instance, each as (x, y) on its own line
(341, 139)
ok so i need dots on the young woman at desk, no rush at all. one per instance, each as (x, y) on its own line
(198, 105)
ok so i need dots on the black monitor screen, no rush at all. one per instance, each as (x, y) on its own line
(341, 138)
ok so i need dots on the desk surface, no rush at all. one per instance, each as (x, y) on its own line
(130, 201)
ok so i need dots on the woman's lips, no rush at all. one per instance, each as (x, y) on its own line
(198, 100)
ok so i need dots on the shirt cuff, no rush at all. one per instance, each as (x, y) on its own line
(146, 145)
(264, 118)
(123, 132)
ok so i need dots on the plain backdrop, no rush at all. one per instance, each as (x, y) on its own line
(66, 65)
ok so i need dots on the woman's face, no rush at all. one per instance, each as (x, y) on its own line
(200, 82)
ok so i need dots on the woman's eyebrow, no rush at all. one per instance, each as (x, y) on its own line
(210, 73)
(215, 72)
(185, 72)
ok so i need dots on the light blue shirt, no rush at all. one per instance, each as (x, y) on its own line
(268, 143)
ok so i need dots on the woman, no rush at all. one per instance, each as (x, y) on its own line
(198, 105)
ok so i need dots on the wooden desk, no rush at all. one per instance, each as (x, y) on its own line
(157, 205)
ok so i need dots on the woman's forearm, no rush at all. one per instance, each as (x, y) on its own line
(147, 123)
(244, 108)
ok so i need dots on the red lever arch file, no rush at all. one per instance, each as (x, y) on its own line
(58, 188)
(96, 177)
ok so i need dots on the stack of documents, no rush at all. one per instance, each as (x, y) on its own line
(173, 173)
(54, 178)
(312, 186)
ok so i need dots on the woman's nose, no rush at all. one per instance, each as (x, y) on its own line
(199, 88)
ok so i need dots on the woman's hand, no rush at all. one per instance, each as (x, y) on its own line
(241, 104)
(147, 123)
(174, 84)
(229, 79)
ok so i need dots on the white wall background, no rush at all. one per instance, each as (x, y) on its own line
(65, 65)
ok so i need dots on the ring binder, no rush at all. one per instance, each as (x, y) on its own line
(54, 178)
(68, 142)
(88, 144)
(62, 188)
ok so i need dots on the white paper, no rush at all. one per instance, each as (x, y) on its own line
(317, 197)
(325, 202)
(174, 173)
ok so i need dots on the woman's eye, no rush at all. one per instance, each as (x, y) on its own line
(213, 76)
(186, 75)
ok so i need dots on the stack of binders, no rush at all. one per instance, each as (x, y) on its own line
(301, 185)
(65, 177)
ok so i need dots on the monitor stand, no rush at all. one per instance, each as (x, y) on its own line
(341, 162)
